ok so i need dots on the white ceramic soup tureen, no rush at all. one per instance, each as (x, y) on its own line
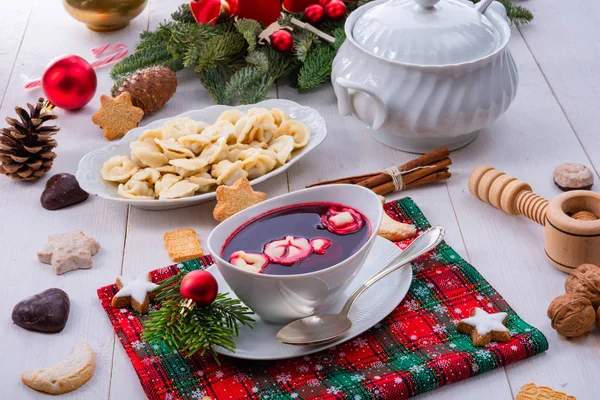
(425, 73)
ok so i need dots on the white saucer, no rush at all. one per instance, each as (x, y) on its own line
(378, 302)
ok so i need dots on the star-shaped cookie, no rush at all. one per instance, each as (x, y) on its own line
(117, 116)
(69, 251)
(531, 391)
(484, 327)
(135, 292)
(233, 199)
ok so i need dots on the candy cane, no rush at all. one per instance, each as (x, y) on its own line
(120, 51)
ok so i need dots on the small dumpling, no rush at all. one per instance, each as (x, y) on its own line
(182, 127)
(165, 183)
(259, 165)
(118, 169)
(296, 129)
(196, 143)
(151, 134)
(173, 149)
(233, 152)
(257, 110)
(279, 116)
(183, 188)
(216, 152)
(227, 172)
(282, 147)
(231, 116)
(190, 164)
(167, 169)
(147, 154)
(258, 145)
(204, 181)
(136, 190)
(259, 126)
(149, 175)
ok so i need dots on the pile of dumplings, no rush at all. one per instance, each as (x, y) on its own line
(187, 157)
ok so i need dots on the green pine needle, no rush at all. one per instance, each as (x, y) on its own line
(183, 14)
(250, 29)
(215, 82)
(198, 330)
(316, 70)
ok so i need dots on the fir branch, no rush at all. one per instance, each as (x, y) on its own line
(316, 70)
(220, 50)
(250, 29)
(340, 35)
(158, 55)
(215, 82)
(198, 330)
(517, 14)
(303, 42)
(183, 14)
(258, 90)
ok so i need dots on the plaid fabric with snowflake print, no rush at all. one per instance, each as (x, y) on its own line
(415, 349)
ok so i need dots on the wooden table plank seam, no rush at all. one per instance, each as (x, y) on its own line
(556, 97)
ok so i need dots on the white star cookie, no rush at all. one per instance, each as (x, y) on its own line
(69, 251)
(135, 292)
(484, 327)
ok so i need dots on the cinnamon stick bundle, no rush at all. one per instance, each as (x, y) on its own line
(430, 167)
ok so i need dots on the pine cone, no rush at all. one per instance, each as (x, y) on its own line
(26, 146)
(150, 88)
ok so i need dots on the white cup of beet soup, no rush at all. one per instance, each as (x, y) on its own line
(291, 256)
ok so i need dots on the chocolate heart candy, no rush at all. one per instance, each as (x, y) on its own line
(62, 190)
(47, 311)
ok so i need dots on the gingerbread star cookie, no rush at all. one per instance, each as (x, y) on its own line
(69, 251)
(531, 391)
(183, 244)
(117, 116)
(235, 198)
(484, 327)
(135, 292)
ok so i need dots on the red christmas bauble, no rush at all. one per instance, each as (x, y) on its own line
(69, 82)
(314, 13)
(282, 41)
(335, 9)
(199, 286)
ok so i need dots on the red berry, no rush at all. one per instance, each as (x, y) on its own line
(313, 14)
(282, 41)
(335, 9)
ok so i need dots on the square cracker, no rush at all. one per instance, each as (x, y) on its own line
(183, 244)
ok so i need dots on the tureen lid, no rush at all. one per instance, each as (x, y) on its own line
(426, 32)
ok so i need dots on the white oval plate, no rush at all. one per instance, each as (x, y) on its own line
(88, 173)
(377, 303)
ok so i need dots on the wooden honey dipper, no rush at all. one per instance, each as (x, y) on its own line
(569, 241)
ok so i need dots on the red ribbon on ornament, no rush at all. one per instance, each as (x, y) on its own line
(120, 51)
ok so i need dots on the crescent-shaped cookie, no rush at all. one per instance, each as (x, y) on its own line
(68, 375)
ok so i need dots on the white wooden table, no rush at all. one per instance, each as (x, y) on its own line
(554, 119)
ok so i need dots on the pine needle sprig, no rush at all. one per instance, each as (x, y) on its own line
(201, 329)
(250, 29)
(215, 81)
(316, 70)
(183, 14)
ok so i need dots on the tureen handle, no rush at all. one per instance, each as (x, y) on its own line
(427, 3)
(346, 107)
(483, 5)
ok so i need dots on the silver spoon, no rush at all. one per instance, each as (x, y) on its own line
(319, 329)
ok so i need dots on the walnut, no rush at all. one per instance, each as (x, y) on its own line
(585, 281)
(571, 315)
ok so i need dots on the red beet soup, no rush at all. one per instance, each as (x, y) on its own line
(297, 239)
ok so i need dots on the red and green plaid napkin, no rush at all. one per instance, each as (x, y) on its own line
(415, 349)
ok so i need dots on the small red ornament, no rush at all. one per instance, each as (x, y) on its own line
(314, 13)
(206, 11)
(335, 9)
(282, 41)
(69, 82)
(200, 286)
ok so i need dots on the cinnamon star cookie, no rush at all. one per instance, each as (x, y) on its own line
(117, 116)
(484, 327)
